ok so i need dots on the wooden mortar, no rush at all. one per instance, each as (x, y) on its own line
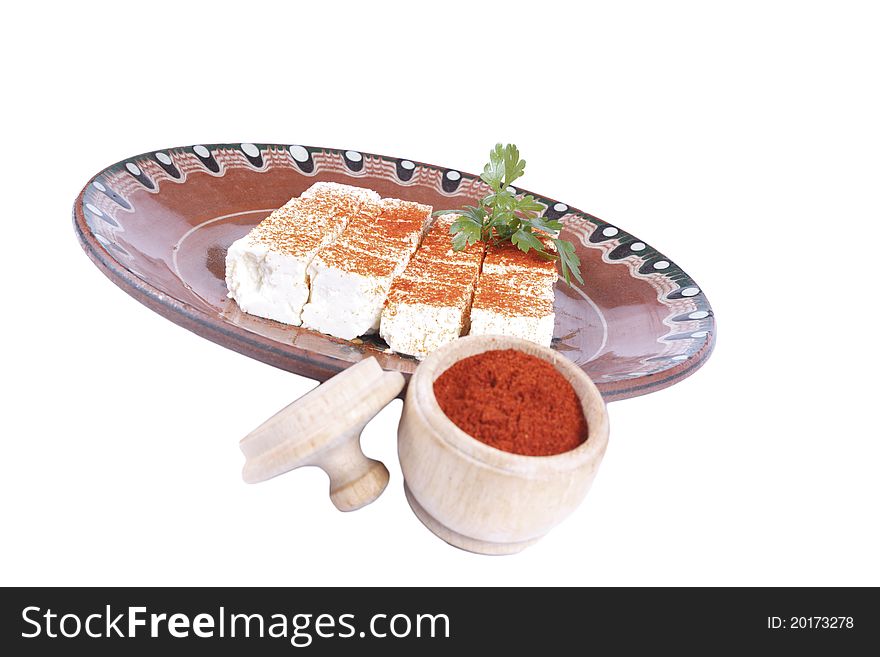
(480, 498)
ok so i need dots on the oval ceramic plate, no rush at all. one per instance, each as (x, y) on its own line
(158, 225)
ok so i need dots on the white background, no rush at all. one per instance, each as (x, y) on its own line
(743, 142)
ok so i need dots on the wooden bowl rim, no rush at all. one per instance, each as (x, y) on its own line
(428, 408)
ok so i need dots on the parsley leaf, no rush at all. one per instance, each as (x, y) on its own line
(513, 166)
(494, 171)
(503, 216)
(568, 260)
(525, 240)
(467, 229)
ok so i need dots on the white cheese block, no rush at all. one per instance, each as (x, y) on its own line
(514, 296)
(417, 323)
(267, 269)
(344, 301)
(535, 327)
(428, 304)
(267, 283)
(350, 279)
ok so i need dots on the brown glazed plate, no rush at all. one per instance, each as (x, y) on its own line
(158, 225)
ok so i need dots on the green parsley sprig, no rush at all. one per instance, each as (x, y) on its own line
(502, 215)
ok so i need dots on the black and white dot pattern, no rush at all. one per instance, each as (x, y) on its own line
(654, 263)
(139, 175)
(693, 335)
(604, 233)
(112, 195)
(207, 158)
(693, 316)
(556, 210)
(103, 216)
(253, 154)
(651, 261)
(354, 160)
(405, 169)
(167, 163)
(302, 158)
(451, 180)
(684, 292)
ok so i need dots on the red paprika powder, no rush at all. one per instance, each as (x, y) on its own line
(512, 401)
